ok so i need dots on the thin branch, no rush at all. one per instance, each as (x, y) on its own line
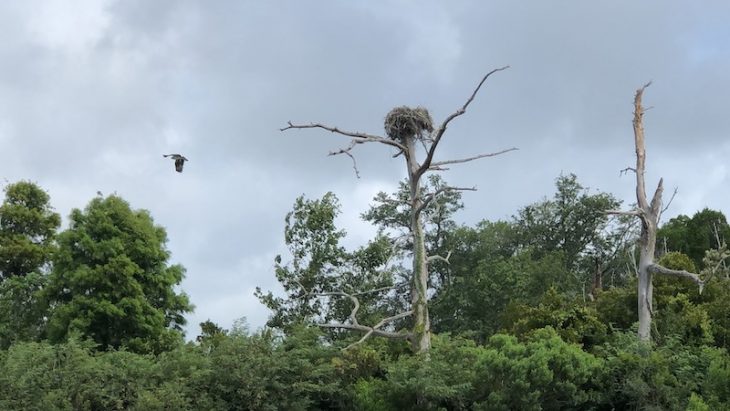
(436, 165)
(358, 137)
(377, 290)
(346, 151)
(626, 170)
(635, 213)
(439, 132)
(666, 207)
(373, 331)
(658, 269)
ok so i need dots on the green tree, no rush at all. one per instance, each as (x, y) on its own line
(574, 224)
(325, 282)
(694, 236)
(28, 227)
(111, 280)
(22, 309)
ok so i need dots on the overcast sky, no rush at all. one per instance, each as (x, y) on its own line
(92, 93)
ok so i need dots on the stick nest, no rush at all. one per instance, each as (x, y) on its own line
(405, 122)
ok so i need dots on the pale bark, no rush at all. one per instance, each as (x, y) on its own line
(649, 213)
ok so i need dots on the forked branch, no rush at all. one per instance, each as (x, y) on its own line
(352, 317)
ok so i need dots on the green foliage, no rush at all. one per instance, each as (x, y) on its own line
(543, 373)
(22, 309)
(256, 373)
(482, 283)
(320, 265)
(27, 229)
(573, 321)
(617, 307)
(697, 404)
(716, 302)
(111, 281)
(693, 236)
(639, 376)
(570, 223)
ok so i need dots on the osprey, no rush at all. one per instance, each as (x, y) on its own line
(179, 161)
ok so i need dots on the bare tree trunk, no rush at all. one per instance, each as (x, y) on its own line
(421, 334)
(649, 214)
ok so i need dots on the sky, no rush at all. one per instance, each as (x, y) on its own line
(93, 92)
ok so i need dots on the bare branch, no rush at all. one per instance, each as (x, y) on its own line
(666, 207)
(346, 151)
(358, 137)
(436, 165)
(377, 290)
(635, 213)
(354, 324)
(431, 196)
(438, 257)
(371, 330)
(626, 170)
(439, 132)
(375, 329)
(658, 269)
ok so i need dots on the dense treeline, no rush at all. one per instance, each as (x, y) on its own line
(537, 312)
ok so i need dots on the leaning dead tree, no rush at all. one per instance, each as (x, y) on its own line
(649, 213)
(411, 132)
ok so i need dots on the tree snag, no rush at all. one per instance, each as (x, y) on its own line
(411, 132)
(649, 213)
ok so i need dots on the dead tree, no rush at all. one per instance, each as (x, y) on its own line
(410, 131)
(649, 213)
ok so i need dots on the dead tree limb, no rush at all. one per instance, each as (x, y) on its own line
(354, 324)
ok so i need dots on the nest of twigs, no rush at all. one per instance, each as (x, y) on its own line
(404, 122)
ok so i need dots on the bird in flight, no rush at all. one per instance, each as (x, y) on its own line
(179, 161)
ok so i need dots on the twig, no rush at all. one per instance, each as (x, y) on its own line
(626, 170)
